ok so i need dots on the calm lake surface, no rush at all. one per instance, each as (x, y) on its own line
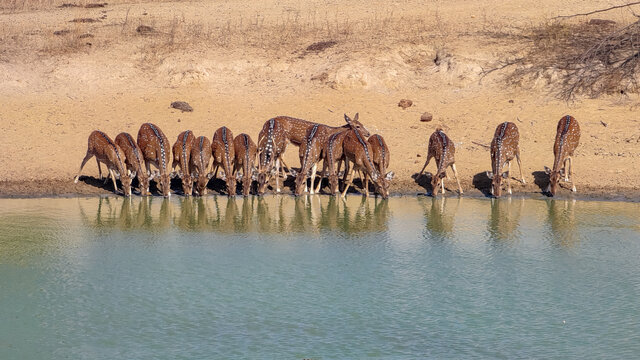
(316, 277)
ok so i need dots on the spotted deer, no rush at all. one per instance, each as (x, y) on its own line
(333, 155)
(223, 155)
(309, 153)
(322, 136)
(245, 157)
(504, 147)
(380, 155)
(134, 161)
(442, 149)
(182, 157)
(357, 151)
(199, 164)
(110, 154)
(156, 151)
(272, 142)
(567, 140)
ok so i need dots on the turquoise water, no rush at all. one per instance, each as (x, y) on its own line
(318, 278)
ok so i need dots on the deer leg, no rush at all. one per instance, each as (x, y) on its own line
(322, 173)
(425, 164)
(573, 185)
(313, 178)
(346, 172)
(455, 175)
(348, 181)
(84, 161)
(366, 185)
(519, 166)
(442, 185)
(285, 166)
(278, 176)
(566, 169)
(113, 177)
(509, 179)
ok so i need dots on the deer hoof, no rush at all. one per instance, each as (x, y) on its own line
(524, 182)
(573, 188)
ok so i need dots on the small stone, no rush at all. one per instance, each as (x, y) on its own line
(511, 101)
(144, 29)
(418, 155)
(426, 117)
(405, 103)
(181, 105)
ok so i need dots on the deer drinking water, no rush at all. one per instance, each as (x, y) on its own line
(333, 155)
(181, 156)
(381, 156)
(357, 151)
(110, 154)
(567, 140)
(134, 161)
(156, 151)
(245, 157)
(442, 149)
(199, 164)
(318, 141)
(272, 142)
(223, 155)
(504, 147)
(309, 153)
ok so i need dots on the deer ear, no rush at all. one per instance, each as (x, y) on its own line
(390, 175)
(547, 170)
(355, 118)
(173, 174)
(562, 172)
(209, 175)
(490, 175)
(238, 176)
(347, 119)
(133, 174)
(442, 175)
(505, 175)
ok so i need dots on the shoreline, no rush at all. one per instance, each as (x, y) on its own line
(90, 187)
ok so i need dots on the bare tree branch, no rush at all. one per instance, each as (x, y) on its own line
(597, 11)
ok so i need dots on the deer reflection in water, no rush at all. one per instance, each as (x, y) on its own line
(504, 219)
(440, 213)
(562, 223)
(131, 213)
(278, 214)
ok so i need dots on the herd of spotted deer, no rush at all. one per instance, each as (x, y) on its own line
(350, 144)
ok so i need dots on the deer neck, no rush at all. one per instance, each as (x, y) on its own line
(163, 154)
(562, 144)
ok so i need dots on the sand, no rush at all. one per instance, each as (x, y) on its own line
(242, 63)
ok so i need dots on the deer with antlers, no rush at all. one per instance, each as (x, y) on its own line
(442, 149)
(504, 147)
(182, 157)
(109, 153)
(199, 164)
(134, 161)
(321, 138)
(245, 156)
(223, 155)
(381, 156)
(156, 151)
(567, 140)
(358, 152)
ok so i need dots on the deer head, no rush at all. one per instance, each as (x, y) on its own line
(554, 179)
(496, 182)
(357, 125)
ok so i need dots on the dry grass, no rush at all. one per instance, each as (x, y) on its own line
(577, 58)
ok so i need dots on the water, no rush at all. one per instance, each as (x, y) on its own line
(286, 278)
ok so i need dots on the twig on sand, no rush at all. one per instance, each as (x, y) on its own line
(597, 11)
(483, 145)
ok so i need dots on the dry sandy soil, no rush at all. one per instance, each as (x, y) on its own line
(65, 71)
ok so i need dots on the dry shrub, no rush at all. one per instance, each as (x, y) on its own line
(586, 58)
